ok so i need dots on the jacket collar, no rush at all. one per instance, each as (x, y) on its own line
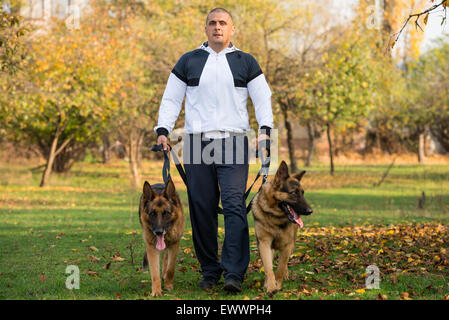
(230, 48)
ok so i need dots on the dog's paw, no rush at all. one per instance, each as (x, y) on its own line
(168, 286)
(278, 285)
(156, 292)
(271, 287)
(272, 291)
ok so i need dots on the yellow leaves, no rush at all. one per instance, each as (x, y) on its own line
(118, 259)
(187, 250)
(405, 296)
(426, 17)
(131, 232)
(379, 252)
(92, 248)
(360, 291)
(75, 250)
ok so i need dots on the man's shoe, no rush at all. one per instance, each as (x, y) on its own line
(207, 284)
(232, 285)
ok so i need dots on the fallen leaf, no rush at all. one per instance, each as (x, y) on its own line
(118, 259)
(405, 296)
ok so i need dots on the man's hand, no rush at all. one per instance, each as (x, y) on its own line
(263, 142)
(163, 140)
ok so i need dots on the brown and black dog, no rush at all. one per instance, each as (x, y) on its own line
(277, 210)
(161, 216)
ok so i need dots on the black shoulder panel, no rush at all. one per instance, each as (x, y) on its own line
(244, 67)
(190, 66)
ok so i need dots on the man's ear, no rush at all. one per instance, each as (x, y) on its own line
(170, 191)
(148, 193)
(281, 174)
(298, 176)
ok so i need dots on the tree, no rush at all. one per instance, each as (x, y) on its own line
(61, 95)
(340, 90)
(146, 45)
(12, 31)
(430, 83)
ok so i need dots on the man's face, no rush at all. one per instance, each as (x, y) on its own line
(219, 28)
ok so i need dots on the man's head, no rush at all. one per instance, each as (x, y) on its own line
(219, 27)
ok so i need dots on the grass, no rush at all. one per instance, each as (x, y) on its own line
(88, 217)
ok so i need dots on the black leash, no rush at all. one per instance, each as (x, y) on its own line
(263, 172)
(166, 167)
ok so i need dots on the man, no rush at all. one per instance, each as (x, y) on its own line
(216, 79)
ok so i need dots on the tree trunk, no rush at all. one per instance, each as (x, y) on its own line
(329, 140)
(311, 135)
(134, 145)
(52, 155)
(290, 145)
(106, 152)
(421, 154)
(50, 160)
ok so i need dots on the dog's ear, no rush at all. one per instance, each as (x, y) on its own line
(281, 174)
(148, 193)
(298, 176)
(170, 191)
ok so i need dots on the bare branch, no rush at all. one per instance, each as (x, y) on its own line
(443, 3)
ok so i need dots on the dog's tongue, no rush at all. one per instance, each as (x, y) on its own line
(299, 222)
(160, 243)
(296, 217)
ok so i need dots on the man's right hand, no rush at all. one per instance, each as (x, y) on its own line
(164, 141)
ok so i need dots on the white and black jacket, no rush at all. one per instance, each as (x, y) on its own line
(216, 87)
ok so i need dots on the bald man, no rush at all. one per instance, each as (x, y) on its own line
(216, 79)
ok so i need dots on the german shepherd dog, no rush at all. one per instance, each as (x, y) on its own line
(277, 210)
(161, 216)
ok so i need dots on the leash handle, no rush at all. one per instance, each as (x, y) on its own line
(166, 168)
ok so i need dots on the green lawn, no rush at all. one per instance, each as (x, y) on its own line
(88, 217)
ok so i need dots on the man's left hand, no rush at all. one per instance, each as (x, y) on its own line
(263, 142)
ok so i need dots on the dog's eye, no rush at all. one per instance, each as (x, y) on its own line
(166, 213)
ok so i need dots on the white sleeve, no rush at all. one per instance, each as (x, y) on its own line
(171, 103)
(261, 97)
